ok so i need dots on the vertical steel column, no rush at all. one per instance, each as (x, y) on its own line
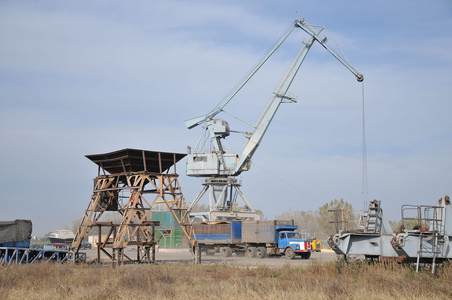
(99, 242)
(197, 251)
(138, 246)
(153, 244)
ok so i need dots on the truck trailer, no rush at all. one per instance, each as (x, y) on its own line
(15, 233)
(253, 238)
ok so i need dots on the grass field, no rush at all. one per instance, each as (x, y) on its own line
(223, 281)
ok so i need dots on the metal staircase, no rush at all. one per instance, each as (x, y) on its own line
(428, 228)
(431, 234)
(373, 218)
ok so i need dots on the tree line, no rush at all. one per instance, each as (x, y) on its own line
(325, 221)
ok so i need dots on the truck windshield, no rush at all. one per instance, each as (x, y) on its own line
(293, 235)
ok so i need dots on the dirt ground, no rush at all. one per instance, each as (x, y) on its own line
(183, 256)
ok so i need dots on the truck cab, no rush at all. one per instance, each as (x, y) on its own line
(291, 243)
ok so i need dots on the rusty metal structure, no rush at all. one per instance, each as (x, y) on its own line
(129, 183)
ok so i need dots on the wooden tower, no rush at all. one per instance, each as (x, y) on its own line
(129, 183)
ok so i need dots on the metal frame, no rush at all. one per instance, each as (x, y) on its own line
(218, 164)
(117, 256)
(341, 219)
(142, 189)
(223, 192)
(429, 242)
(9, 255)
(429, 231)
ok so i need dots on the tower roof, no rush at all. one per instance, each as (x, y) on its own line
(135, 160)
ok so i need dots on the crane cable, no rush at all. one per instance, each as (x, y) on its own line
(365, 192)
(290, 28)
(337, 45)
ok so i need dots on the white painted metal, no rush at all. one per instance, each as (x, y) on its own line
(216, 163)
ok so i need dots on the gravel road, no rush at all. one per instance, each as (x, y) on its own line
(180, 256)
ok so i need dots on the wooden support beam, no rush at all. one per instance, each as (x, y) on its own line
(136, 227)
(160, 162)
(144, 160)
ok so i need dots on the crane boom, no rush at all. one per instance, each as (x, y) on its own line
(220, 168)
(278, 97)
(199, 120)
(219, 163)
(309, 30)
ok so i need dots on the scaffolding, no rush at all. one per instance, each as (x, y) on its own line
(137, 179)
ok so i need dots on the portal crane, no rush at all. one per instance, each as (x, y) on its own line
(221, 168)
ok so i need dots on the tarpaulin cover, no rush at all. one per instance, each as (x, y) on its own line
(15, 231)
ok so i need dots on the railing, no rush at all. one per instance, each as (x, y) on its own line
(345, 219)
(422, 218)
(10, 255)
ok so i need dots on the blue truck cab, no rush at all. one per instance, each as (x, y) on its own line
(291, 243)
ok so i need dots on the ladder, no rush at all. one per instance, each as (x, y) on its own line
(431, 233)
(373, 220)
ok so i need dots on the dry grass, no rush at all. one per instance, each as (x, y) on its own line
(222, 281)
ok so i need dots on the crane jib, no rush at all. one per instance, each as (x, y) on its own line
(218, 163)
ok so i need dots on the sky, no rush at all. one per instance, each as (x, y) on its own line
(89, 77)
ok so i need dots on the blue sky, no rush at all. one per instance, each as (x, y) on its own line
(89, 77)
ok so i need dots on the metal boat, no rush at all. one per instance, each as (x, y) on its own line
(61, 237)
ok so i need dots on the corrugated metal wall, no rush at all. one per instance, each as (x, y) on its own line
(171, 235)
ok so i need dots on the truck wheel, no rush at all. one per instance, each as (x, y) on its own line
(261, 252)
(251, 251)
(289, 253)
(226, 251)
(305, 255)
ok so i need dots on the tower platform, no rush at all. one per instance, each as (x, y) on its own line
(120, 189)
